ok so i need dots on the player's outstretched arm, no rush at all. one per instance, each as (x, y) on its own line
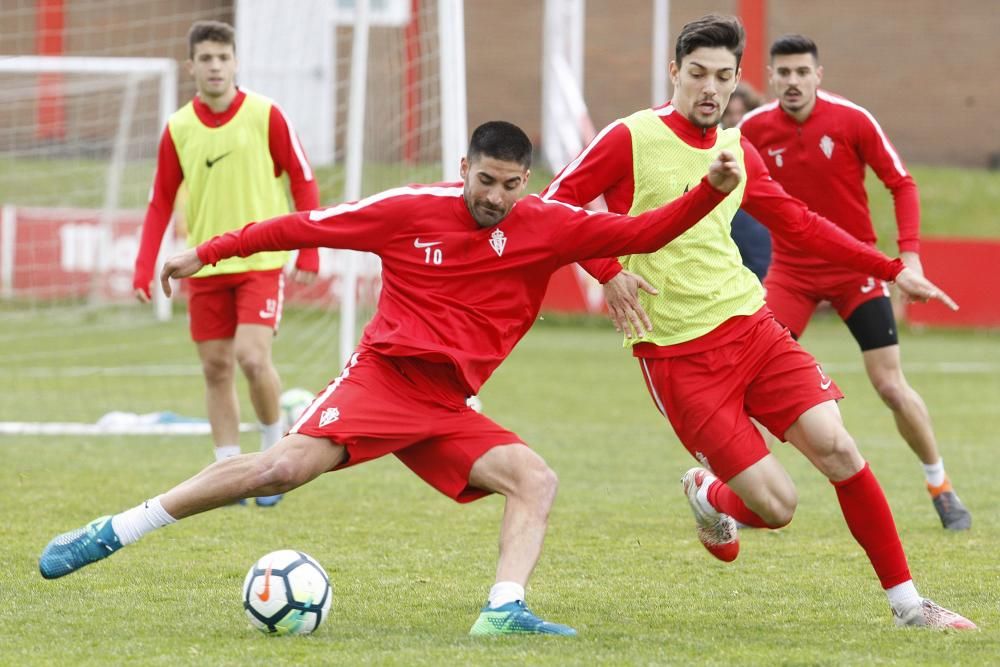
(918, 288)
(181, 265)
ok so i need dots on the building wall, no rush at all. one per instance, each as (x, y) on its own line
(924, 68)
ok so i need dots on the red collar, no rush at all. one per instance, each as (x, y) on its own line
(690, 133)
(209, 118)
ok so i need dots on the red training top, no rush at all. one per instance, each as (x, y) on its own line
(453, 291)
(822, 162)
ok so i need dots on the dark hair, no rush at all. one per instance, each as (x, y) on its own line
(502, 141)
(791, 45)
(210, 31)
(712, 31)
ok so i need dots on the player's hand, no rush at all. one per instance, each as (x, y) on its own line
(725, 173)
(621, 294)
(142, 294)
(917, 288)
(181, 265)
(303, 277)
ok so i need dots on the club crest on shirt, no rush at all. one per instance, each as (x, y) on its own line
(498, 242)
(328, 416)
(826, 145)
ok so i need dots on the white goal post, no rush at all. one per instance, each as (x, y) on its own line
(132, 72)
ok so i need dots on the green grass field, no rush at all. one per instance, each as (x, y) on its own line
(622, 564)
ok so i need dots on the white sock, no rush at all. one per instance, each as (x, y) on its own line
(903, 596)
(270, 434)
(132, 524)
(702, 498)
(226, 451)
(935, 473)
(504, 592)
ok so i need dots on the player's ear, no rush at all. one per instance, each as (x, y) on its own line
(463, 168)
(819, 73)
(190, 66)
(674, 72)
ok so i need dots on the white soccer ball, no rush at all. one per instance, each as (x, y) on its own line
(286, 593)
(293, 403)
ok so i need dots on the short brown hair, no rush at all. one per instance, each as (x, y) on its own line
(793, 45)
(210, 31)
(712, 31)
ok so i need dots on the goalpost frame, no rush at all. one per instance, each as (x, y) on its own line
(134, 69)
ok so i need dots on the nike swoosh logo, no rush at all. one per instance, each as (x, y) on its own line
(265, 314)
(772, 153)
(825, 385)
(209, 163)
(265, 594)
(417, 243)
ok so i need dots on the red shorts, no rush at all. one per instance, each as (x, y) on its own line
(217, 304)
(412, 409)
(793, 294)
(710, 396)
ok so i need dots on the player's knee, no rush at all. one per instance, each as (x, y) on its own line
(774, 505)
(217, 370)
(253, 365)
(781, 511)
(892, 392)
(535, 479)
(281, 473)
(840, 456)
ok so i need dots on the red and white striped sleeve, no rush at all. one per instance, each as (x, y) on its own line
(366, 225)
(878, 152)
(288, 156)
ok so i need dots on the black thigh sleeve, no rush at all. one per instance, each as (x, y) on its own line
(873, 325)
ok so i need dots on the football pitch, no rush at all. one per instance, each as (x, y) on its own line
(410, 569)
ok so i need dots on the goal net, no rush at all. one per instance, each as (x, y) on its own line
(84, 95)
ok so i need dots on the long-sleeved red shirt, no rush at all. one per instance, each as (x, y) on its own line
(453, 291)
(822, 162)
(605, 168)
(286, 153)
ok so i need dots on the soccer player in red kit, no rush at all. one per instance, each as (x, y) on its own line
(816, 145)
(711, 353)
(231, 148)
(464, 269)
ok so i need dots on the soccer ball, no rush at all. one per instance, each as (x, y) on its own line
(293, 403)
(286, 593)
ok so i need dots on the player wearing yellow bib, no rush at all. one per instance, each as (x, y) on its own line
(231, 148)
(710, 351)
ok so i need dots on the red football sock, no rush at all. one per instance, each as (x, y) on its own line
(725, 500)
(870, 520)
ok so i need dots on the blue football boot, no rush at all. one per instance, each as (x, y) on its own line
(70, 551)
(514, 618)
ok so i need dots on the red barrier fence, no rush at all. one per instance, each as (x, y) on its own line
(52, 253)
(969, 271)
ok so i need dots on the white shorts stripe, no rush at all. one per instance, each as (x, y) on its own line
(319, 400)
(652, 387)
